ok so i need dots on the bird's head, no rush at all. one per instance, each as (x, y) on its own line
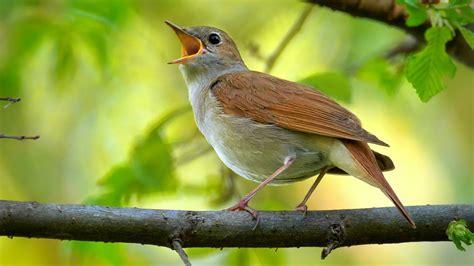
(206, 49)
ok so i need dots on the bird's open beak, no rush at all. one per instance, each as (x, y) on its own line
(190, 45)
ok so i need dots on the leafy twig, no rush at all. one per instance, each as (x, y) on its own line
(459, 233)
(287, 39)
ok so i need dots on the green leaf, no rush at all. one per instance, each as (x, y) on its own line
(416, 16)
(459, 233)
(381, 73)
(459, 3)
(468, 36)
(335, 84)
(426, 69)
(459, 12)
(417, 13)
(149, 169)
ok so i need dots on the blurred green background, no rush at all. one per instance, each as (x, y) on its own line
(116, 127)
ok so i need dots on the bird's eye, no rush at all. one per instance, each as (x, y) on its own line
(214, 38)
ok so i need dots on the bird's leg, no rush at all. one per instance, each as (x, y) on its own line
(302, 206)
(242, 205)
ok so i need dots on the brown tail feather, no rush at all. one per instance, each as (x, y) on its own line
(383, 161)
(367, 159)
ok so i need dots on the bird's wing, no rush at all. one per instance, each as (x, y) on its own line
(270, 100)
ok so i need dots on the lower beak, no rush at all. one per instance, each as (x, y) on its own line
(190, 45)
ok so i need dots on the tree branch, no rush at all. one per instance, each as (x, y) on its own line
(3, 136)
(387, 11)
(331, 229)
(10, 100)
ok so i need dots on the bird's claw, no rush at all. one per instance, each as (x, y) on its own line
(243, 206)
(302, 208)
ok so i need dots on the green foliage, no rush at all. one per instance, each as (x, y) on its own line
(335, 84)
(459, 233)
(68, 25)
(455, 11)
(426, 69)
(149, 169)
(459, 12)
(468, 36)
(417, 13)
(383, 74)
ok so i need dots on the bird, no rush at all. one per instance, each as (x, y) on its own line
(270, 130)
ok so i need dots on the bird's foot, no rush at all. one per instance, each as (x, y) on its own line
(302, 208)
(243, 205)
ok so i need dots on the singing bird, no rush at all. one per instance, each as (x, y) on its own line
(271, 130)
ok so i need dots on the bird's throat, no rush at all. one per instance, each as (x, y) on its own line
(200, 76)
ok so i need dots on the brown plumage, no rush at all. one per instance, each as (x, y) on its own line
(290, 105)
(270, 100)
(270, 130)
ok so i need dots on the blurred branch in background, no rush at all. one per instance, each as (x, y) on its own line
(3, 136)
(270, 62)
(387, 11)
(10, 100)
(228, 229)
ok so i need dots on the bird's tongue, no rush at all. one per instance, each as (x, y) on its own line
(190, 45)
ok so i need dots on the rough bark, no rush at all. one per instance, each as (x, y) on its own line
(228, 229)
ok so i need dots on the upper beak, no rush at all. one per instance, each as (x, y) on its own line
(190, 45)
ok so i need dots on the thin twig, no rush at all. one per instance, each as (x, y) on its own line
(179, 249)
(287, 39)
(3, 136)
(10, 100)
